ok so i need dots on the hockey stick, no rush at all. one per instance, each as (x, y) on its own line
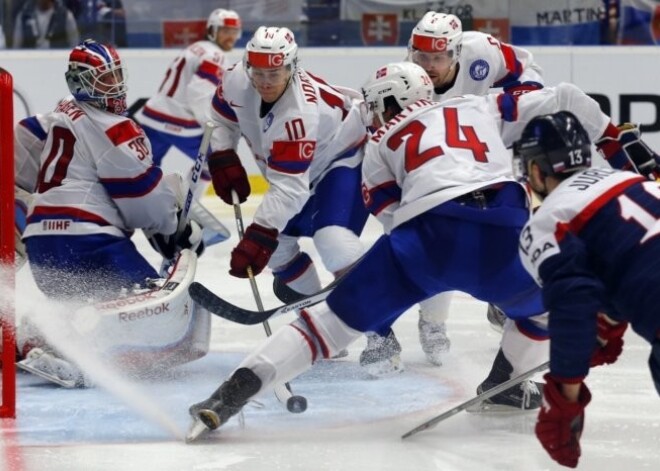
(222, 308)
(194, 176)
(475, 400)
(294, 403)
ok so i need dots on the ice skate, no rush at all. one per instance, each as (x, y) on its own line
(224, 403)
(381, 357)
(525, 396)
(496, 318)
(54, 369)
(433, 339)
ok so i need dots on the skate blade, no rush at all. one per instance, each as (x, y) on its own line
(197, 428)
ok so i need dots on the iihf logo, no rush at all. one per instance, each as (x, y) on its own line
(268, 120)
(479, 70)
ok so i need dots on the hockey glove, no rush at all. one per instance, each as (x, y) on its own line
(170, 245)
(610, 342)
(227, 174)
(518, 88)
(624, 149)
(559, 424)
(254, 250)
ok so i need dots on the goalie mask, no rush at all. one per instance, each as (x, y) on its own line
(557, 143)
(401, 82)
(97, 76)
(436, 36)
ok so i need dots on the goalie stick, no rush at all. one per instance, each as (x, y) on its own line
(475, 400)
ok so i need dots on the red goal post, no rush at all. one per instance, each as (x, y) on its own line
(7, 249)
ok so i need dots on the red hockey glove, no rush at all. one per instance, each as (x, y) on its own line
(227, 174)
(623, 148)
(610, 342)
(254, 250)
(559, 424)
(518, 88)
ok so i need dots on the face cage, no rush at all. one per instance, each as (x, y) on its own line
(519, 168)
(105, 84)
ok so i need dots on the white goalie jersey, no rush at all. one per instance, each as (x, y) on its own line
(181, 104)
(114, 187)
(431, 153)
(311, 128)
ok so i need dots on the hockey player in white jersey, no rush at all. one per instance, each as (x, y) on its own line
(306, 137)
(439, 177)
(459, 63)
(94, 184)
(593, 247)
(175, 116)
(469, 62)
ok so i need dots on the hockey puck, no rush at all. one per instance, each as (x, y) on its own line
(296, 404)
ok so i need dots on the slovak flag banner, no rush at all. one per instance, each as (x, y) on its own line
(380, 29)
(639, 22)
(181, 33)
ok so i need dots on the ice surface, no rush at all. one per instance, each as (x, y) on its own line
(352, 423)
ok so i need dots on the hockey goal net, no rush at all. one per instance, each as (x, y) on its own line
(7, 276)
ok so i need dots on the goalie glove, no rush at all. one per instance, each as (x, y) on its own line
(610, 341)
(624, 149)
(170, 245)
(559, 424)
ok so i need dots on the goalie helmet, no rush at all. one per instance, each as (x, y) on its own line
(437, 32)
(557, 143)
(97, 76)
(271, 47)
(405, 82)
(221, 18)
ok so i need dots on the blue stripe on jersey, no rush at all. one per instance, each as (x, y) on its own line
(508, 105)
(214, 79)
(34, 126)
(222, 107)
(295, 269)
(133, 187)
(382, 196)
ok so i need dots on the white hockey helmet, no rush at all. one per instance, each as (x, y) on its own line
(405, 82)
(220, 18)
(437, 32)
(271, 47)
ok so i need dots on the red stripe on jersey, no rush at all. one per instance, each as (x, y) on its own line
(67, 211)
(291, 156)
(123, 132)
(576, 224)
(211, 68)
(510, 60)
